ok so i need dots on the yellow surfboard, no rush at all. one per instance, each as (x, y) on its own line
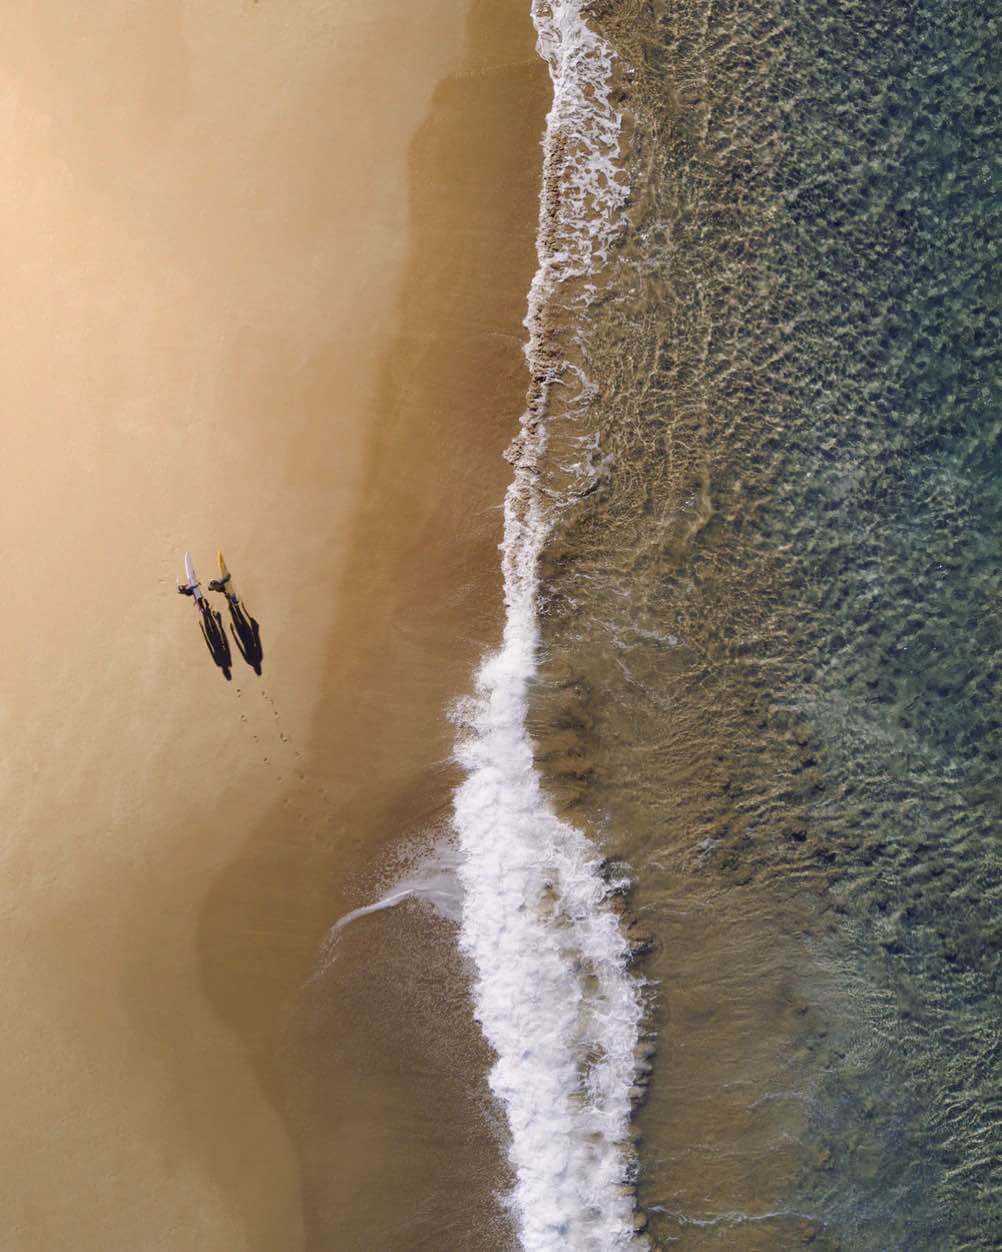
(224, 573)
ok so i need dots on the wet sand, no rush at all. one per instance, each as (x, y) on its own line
(265, 282)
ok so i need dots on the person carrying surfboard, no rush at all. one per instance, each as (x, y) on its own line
(244, 628)
(192, 587)
(224, 582)
(210, 623)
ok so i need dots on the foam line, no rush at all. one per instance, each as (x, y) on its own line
(552, 989)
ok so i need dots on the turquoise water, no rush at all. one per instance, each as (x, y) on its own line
(774, 621)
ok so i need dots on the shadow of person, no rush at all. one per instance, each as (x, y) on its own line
(247, 636)
(211, 625)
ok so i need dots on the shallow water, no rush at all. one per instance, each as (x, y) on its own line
(771, 625)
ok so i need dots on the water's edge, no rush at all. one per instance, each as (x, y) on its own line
(552, 987)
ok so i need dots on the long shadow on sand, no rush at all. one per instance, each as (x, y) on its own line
(211, 626)
(247, 636)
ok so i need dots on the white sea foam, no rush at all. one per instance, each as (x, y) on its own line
(552, 991)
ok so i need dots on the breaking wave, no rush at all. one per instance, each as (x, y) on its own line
(552, 988)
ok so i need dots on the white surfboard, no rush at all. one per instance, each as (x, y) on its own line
(192, 577)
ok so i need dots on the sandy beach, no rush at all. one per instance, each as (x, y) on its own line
(265, 278)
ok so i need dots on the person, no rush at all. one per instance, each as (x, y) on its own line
(191, 586)
(219, 584)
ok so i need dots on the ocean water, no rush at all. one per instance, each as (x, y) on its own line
(754, 636)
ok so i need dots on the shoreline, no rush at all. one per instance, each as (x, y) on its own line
(552, 988)
(443, 614)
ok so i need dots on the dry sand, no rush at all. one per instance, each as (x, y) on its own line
(264, 275)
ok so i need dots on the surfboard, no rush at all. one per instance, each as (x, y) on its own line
(230, 590)
(192, 577)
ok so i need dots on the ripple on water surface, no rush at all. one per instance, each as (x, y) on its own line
(772, 623)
